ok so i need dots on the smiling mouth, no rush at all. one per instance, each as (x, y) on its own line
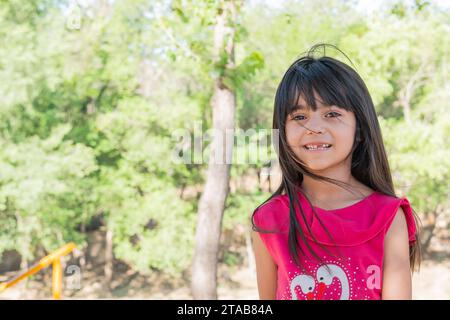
(320, 147)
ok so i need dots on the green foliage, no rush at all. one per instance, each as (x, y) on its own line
(419, 154)
(239, 207)
(244, 72)
(231, 258)
(154, 230)
(44, 192)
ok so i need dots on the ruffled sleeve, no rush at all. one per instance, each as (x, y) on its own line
(271, 217)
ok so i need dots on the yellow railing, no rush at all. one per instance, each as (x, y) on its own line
(53, 258)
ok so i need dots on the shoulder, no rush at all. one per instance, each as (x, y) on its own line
(390, 213)
(389, 203)
(271, 213)
(400, 220)
(398, 225)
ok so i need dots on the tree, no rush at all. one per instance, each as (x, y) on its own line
(212, 201)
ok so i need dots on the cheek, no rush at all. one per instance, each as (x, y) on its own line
(345, 139)
(292, 134)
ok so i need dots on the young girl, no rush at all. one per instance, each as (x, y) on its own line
(334, 229)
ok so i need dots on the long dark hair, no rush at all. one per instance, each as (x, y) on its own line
(338, 84)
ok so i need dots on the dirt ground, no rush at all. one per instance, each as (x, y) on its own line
(235, 283)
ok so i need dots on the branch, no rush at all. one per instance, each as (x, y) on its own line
(168, 32)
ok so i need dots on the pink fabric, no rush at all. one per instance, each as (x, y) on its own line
(358, 233)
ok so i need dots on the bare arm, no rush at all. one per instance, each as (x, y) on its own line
(396, 267)
(266, 269)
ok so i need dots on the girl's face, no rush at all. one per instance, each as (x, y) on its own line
(307, 130)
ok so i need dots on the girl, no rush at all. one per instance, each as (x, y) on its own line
(334, 229)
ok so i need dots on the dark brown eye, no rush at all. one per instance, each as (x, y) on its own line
(335, 114)
(297, 117)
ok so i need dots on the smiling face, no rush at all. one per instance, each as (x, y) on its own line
(307, 130)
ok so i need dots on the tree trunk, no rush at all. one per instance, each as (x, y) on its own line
(81, 254)
(212, 201)
(108, 259)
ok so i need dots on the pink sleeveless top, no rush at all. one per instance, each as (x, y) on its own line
(352, 260)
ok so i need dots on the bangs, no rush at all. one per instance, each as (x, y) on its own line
(316, 79)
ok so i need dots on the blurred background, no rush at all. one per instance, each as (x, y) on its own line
(92, 92)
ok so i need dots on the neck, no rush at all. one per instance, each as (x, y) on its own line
(323, 190)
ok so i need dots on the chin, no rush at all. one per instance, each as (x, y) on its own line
(319, 167)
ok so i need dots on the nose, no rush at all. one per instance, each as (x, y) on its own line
(314, 125)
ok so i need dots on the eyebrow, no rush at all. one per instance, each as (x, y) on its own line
(302, 107)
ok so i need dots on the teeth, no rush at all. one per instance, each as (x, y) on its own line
(315, 147)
